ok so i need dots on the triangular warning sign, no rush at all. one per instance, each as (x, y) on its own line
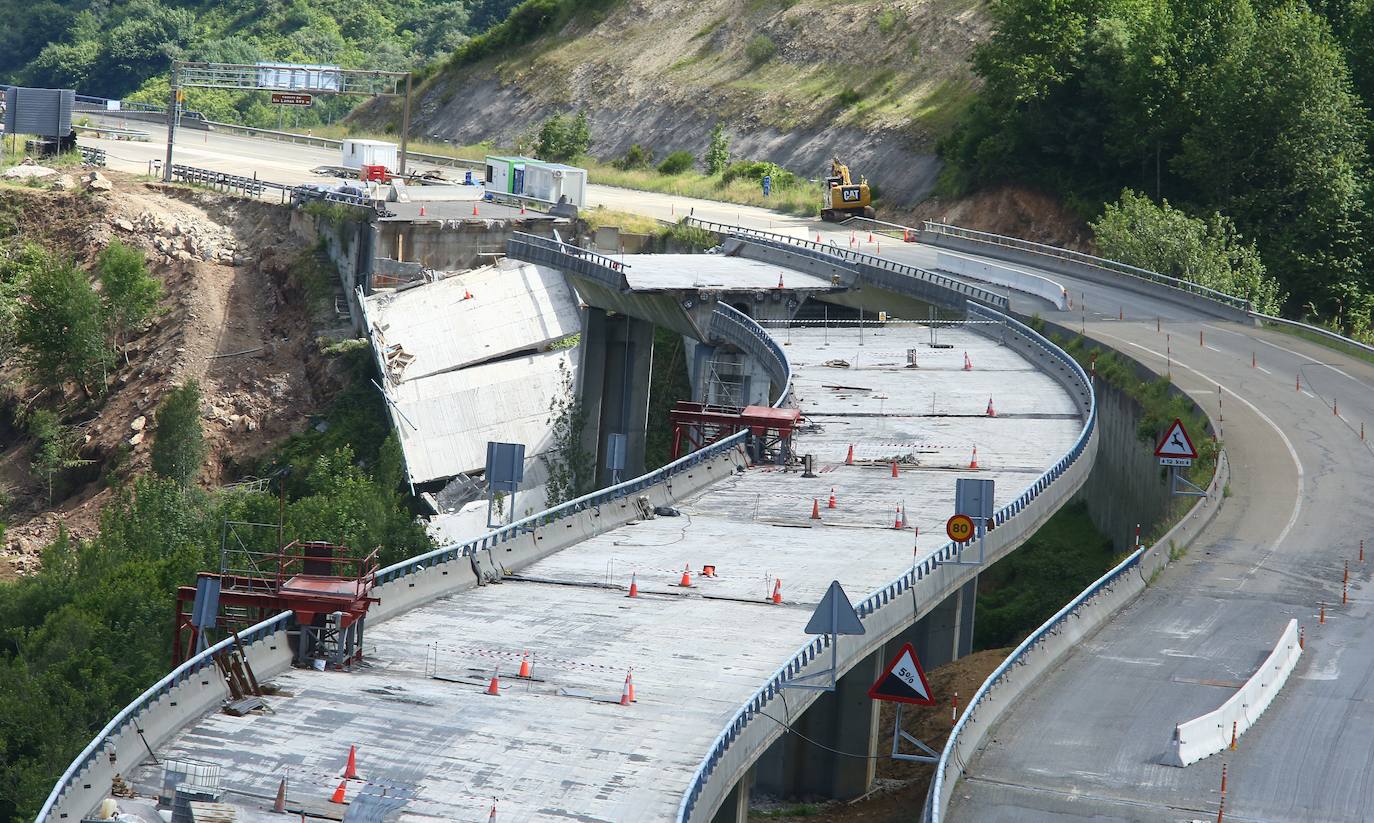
(835, 614)
(904, 681)
(1176, 443)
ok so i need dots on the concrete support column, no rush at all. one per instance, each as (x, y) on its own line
(621, 349)
(735, 809)
(945, 633)
(845, 721)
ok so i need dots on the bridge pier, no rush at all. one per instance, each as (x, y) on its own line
(618, 353)
(735, 809)
(845, 722)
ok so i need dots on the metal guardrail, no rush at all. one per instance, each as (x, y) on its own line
(830, 253)
(1145, 274)
(755, 706)
(130, 713)
(730, 323)
(1105, 582)
(533, 249)
(1089, 260)
(92, 157)
(253, 187)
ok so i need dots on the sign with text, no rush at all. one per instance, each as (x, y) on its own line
(285, 98)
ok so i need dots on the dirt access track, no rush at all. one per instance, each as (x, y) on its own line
(244, 303)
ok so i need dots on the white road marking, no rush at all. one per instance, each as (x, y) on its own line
(1292, 452)
(1311, 362)
(1263, 369)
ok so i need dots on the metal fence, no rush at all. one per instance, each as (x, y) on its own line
(92, 157)
(1088, 260)
(130, 713)
(533, 249)
(755, 706)
(253, 187)
(864, 262)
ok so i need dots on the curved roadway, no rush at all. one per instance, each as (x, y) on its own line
(1086, 743)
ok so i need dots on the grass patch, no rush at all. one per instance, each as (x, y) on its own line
(601, 216)
(1021, 591)
(805, 199)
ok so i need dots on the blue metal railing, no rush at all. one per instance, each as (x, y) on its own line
(1106, 581)
(889, 593)
(129, 714)
(838, 256)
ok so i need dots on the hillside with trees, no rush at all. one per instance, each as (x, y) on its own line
(1252, 116)
(125, 49)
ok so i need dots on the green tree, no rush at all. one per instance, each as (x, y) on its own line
(560, 141)
(128, 295)
(717, 151)
(179, 447)
(1280, 146)
(59, 325)
(56, 449)
(1208, 252)
(571, 468)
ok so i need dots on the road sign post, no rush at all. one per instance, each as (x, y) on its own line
(973, 515)
(833, 617)
(1176, 450)
(904, 682)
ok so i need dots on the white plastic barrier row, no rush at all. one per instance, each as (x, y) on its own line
(1022, 281)
(1212, 732)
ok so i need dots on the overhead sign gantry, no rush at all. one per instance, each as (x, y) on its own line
(302, 81)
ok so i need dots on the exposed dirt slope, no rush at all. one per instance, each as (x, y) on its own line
(874, 81)
(232, 318)
(900, 789)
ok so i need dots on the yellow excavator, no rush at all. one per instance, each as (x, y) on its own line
(843, 197)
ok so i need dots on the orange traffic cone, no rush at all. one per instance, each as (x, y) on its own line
(627, 695)
(351, 770)
(968, 364)
(870, 237)
(467, 295)
(780, 280)
(634, 587)
(849, 458)
(686, 577)
(494, 687)
(422, 211)
(895, 473)
(815, 508)
(818, 238)
(474, 209)
(338, 796)
(973, 464)
(897, 519)
(991, 411)
(777, 590)
(522, 207)
(524, 666)
(491, 818)
(280, 806)
(831, 504)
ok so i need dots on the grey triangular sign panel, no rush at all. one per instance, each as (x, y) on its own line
(835, 614)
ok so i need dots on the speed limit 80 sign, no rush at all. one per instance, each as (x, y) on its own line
(959, 528)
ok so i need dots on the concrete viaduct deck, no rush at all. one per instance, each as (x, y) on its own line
(559, 745)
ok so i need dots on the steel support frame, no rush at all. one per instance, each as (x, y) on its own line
(245, 77)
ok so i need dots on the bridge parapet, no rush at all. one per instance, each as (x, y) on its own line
(888, 610)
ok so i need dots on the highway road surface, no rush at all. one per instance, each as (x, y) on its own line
(1086, 743)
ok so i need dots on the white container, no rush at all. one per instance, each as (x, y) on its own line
(550, 181)
(359, 153)
(318, 664)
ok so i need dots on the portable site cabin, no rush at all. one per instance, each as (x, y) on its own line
(550, 181)
(507, 174)
(359, 153)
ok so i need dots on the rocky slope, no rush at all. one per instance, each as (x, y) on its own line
(876, 82)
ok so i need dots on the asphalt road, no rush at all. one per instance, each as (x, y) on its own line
(1086, 743)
